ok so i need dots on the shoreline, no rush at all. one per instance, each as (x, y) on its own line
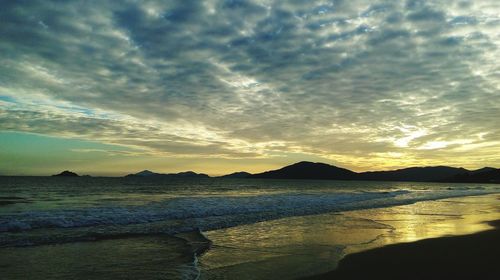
(286, 248)
(471, 256)
(296, 247)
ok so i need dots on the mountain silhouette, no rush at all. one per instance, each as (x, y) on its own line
(323, 171)
(483, 175)
(66, 173)
(414, 174)
(484, 169)
(238, 175)
(145, 173)
(150, 174)
(308, 170)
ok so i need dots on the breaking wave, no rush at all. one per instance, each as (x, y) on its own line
(188, 213)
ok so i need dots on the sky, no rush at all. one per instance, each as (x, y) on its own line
(218, 86)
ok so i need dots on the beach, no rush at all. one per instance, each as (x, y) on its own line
(402, 242)
(249, 139)
(108, 228)
(473, 256)
(471, 252)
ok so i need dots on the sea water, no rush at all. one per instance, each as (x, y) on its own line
(145, 228)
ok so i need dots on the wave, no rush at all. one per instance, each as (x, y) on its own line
(184, 208)
(184, 214)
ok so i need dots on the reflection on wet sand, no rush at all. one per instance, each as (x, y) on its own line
(429, 219)
(301, 246)
(286, 248)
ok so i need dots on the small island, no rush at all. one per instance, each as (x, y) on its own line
(66, 173)
(150, 174)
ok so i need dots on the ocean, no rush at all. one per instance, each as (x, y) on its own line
(140, 228)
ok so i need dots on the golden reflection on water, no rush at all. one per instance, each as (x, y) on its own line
(431, 219)
(300, 246)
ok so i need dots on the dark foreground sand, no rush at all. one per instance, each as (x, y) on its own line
(474, 256)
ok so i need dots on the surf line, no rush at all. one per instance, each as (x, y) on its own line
(199, 244)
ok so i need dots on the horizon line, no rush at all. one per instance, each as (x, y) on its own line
(123, 174)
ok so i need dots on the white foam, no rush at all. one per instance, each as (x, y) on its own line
(209, 212)
(185, 208)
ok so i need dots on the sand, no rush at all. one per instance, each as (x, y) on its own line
(473, 256)
(291, 248)
(302, 246)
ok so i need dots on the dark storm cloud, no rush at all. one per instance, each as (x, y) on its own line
(322, 77)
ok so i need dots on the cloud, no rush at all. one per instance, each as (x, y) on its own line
(347, 80)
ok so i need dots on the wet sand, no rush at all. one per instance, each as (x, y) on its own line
(474, 256)
(287, 248)
(456, 238)
(298, 247)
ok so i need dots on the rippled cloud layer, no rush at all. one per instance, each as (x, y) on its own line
(362, 84)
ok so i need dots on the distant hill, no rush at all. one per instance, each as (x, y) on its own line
(484, 169)
(150, 174)
(238, 175)
(308, 170)
(66, 173)
(483, 175)
(144, 173)
(414, 174)
(322, 171)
